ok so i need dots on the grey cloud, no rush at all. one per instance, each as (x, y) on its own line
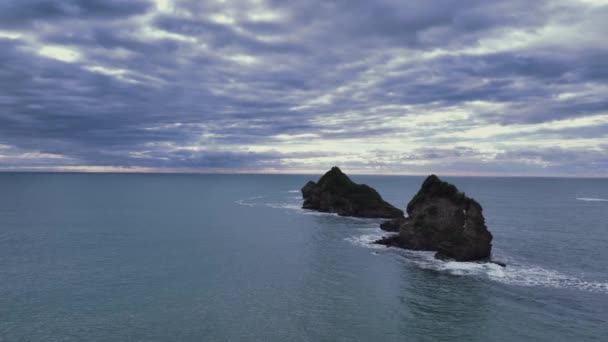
(18, 13)
(221, 36)
(324, 68)
(415, 23)
(577, 161)
(533, 161)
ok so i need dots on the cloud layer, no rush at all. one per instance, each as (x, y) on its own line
(460, 87)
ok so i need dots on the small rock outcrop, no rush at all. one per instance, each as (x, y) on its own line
(336, 193)
(443, 219)
(392, 225)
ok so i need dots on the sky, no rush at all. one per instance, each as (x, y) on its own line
(453, 87)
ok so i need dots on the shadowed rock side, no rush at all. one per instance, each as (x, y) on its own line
(392, 225)
(336, 193)
(442, 219)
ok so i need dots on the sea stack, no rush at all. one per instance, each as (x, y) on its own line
(443, 219)
(336, 193)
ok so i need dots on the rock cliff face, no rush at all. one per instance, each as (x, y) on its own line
(442, 219)
(336, 193)
(392, 225)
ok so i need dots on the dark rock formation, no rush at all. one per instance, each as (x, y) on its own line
(445, 220)
(392, 225)
(336, 193)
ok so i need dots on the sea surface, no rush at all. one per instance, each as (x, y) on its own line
(144, 257)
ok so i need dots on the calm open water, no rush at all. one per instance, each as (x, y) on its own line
(121, 257)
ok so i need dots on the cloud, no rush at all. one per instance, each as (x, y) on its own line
(21, 13)
(385, 86)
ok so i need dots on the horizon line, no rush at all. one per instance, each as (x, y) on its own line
(296, 172)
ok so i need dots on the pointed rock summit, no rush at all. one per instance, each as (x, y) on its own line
(336, 193)
(443, 219)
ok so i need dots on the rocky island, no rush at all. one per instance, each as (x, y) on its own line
(442, 219)
(336, 193)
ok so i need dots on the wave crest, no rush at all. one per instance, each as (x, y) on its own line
(514, 274)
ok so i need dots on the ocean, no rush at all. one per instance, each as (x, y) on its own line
(189, 257)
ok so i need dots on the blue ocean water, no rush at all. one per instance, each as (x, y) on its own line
(142, 257)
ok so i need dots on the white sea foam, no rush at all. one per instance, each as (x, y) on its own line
(316, 213)
(514, 274)
(538, 276)
(367, 240)
(291, 206)
(249, 202)
(280, 202)
(590, 199)
(295, 203)
(321, 213)
(294, 191)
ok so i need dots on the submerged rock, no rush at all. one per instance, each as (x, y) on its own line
(336, 193)
(443, 219)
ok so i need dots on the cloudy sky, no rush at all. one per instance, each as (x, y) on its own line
(468, 87)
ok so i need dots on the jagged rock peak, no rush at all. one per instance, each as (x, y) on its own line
(433, 187)
(335, 192)
(335, 178)
(445, 220)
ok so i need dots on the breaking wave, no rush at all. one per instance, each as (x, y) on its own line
(284, 206)
(367, 240)
(590, 199)
(514, 274)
